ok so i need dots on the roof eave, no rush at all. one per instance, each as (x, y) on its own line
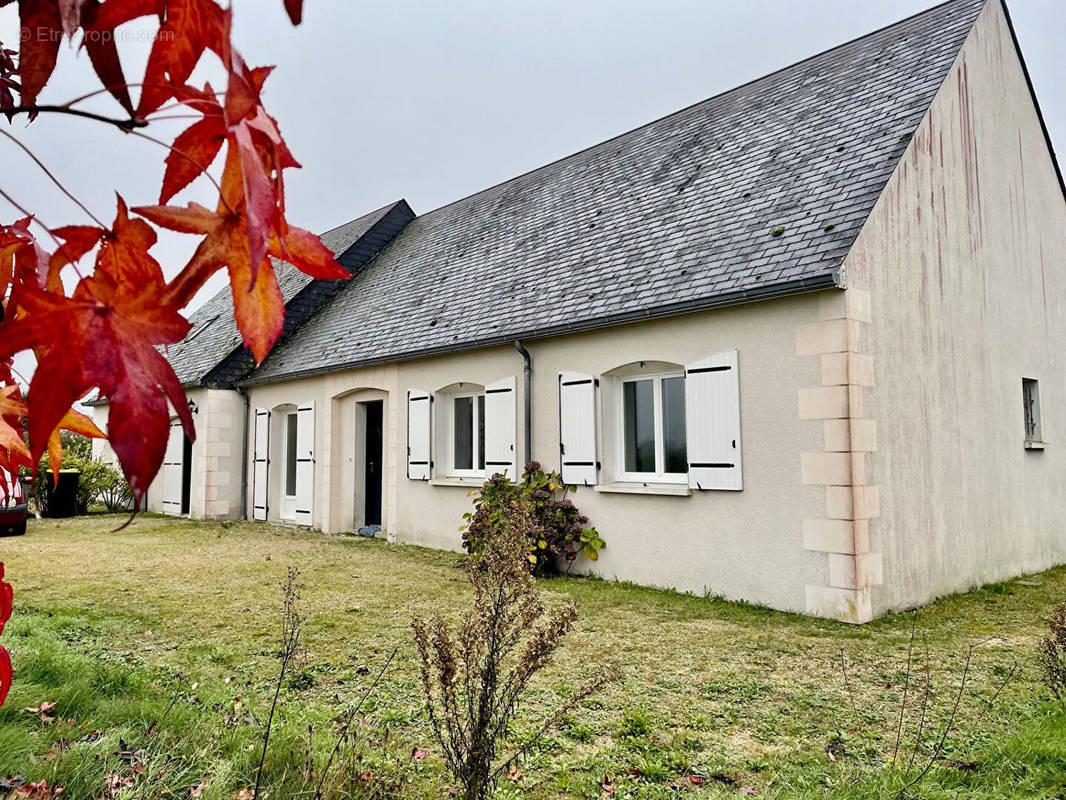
(832, 279)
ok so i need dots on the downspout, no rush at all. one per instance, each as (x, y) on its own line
(527, 396)
(244, 455)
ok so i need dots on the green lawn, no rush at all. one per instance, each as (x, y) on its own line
(144, 639)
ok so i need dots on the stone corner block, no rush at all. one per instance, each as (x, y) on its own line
(845, 605)
(825, 469)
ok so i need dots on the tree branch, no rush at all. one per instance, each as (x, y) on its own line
(126, 125)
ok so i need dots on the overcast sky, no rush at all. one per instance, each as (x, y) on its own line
(431, 101)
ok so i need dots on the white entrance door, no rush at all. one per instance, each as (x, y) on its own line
(173, 465)
(288, 473)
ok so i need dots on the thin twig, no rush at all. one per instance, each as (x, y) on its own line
(107, 89)
(847, 684)
(53, 178)
(947, 728)
(290, 643)
(995, 696)
(347, 723)
(126, 125)
(166, 117)
(925, 707)
(18, 207)
(906, 687)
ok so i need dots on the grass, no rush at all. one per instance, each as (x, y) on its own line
(157, 643)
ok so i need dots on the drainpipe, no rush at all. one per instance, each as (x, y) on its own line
(528, 397)
(244, 455)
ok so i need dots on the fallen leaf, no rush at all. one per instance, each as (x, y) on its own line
(607, 787)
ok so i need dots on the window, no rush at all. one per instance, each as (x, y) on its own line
(468, 434)
(653, 435)
(1031, 409)
(290, 454)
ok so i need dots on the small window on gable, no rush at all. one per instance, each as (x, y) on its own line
(653, 439)
(1031, 409)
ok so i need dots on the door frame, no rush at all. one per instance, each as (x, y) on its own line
(347, 454)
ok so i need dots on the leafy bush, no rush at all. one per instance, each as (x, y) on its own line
(1051, 653)
(98, 481)
(560, 532)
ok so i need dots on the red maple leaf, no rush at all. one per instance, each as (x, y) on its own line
(105, 336)
(296, 10)
(75, 422)
(187, 28)
(259, 307)
(13, 451)
(41, 32)
(192, 153)
(20, 256)
(99, 43)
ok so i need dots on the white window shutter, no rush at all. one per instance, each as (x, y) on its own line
(577, 428)
(305, 464)
(712, 422)
(501, 403)
(172, 468)
(419, 412)
(260, 463)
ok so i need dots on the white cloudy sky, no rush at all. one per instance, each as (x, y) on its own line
(430, 100)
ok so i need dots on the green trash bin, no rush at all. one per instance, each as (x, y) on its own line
(61, 498)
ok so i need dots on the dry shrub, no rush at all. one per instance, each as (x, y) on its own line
(474, 678)
(1051, 653)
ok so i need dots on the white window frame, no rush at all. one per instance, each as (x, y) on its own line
(478, 410)
(660, 475)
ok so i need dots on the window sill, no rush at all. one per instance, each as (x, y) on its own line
(673, 489)
(455, 481)
(1035, 445)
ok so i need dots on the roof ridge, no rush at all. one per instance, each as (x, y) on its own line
(698, 103)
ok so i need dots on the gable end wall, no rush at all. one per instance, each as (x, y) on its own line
(963, 258)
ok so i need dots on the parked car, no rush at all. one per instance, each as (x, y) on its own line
(12, 505)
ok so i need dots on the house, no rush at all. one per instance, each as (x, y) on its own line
(802, 344)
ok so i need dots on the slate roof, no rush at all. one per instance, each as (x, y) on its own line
(677, 215)
(214, 332)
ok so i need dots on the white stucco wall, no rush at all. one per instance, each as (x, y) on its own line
(215, 488)
(964, 261)
(746, 545)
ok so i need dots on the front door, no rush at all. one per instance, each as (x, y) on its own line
(186, 475)
(372, 468)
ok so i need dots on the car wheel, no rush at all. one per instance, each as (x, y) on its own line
(19, 530)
